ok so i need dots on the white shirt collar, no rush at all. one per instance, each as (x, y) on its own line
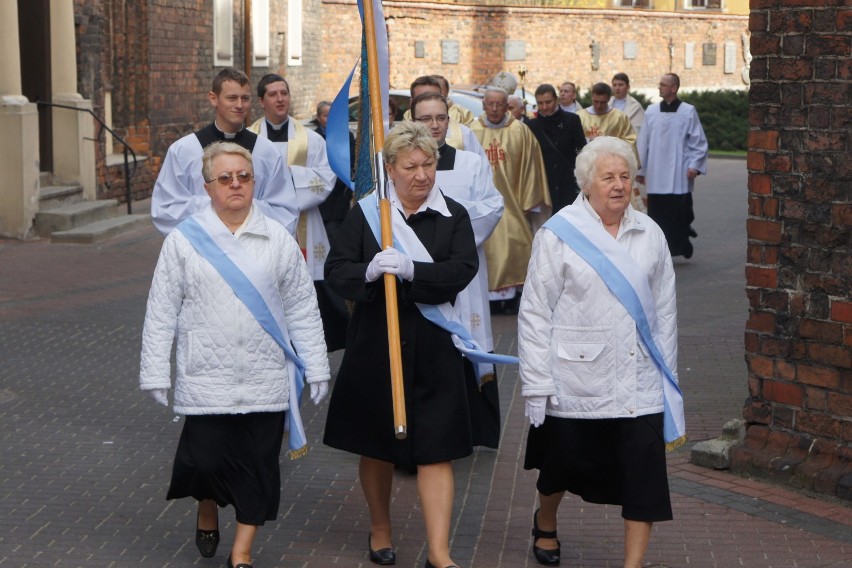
(434, 201)
(628, 221)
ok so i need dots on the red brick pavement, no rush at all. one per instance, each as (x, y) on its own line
(83, 474)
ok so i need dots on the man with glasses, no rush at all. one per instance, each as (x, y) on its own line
(303, 150)
(515, 158)
(459, 136)
(560, 135)
(672, 153)
(179, 190)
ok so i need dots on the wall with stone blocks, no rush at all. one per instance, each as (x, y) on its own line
(470, 44)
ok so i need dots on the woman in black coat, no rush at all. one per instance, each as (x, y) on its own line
(360, 415)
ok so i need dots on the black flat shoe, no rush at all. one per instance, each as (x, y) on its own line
(383, 556)
(206, 541)
(240, 565)
(430, 565)
(546, 557)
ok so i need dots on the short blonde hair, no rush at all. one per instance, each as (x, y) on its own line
(406, 136)
(598, 148)
(217, 149)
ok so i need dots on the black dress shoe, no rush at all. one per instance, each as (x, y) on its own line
(546, 557)
(240, 565)
(383, 556)
(206, 541)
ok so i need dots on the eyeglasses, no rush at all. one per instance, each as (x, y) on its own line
(441, 118)
(226, 177)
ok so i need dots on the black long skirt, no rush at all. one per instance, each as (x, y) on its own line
(232, 459)
(616, 461)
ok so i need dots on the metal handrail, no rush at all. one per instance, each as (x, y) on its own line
(127, 147)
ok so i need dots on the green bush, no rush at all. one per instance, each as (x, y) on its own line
(723, 114)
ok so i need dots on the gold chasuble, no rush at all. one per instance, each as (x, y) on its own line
(297, 155)
(460, 114)
(614, 123)
(519, 175)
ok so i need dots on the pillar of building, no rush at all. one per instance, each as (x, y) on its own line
(18, 135)
(798, 337)
(73, 129)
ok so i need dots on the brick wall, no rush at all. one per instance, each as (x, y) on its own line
(556, 43)
(799, 269)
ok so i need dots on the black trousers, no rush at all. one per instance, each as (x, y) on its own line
(674, 215)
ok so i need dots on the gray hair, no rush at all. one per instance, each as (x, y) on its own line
(321, 105)
(602, 147)
(215, 150)
(503, 92)
(406, 136)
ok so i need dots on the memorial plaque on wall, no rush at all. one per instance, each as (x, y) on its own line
(708, 54)
(515, 50)
(730, 57)
(419, 49)
(689, 55)
(449, 51)
(630, 49)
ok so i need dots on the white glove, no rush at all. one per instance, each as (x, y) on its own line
(535, 407)
(390, 261)
(160, 396)
(318, 391)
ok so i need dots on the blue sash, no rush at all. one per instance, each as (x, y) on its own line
(443, 316)
(674, 424)
(256, 289)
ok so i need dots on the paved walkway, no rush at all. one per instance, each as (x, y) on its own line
(86, 458)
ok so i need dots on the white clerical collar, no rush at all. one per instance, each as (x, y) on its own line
(278, 126)
(570, 108)
(500, 124)
(227, 135)
(434, 201)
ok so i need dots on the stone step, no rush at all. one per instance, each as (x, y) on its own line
(45, 179)
(100, 230)
(73, 215)
(54, 196)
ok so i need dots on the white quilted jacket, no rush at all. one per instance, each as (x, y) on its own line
(576, 340)
(227, 363)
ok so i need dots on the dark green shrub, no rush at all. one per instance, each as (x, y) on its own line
(724, 116)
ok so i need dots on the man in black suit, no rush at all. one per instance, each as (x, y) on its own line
(560, 135)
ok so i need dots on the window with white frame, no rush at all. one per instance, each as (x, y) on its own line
(702, 4)
(260, 33)
(632, 3)
(223, 33)
(294, 32)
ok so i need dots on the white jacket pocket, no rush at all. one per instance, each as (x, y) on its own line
(582, 363)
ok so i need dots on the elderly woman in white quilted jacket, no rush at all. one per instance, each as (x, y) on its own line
(597, 329)
(234, 287)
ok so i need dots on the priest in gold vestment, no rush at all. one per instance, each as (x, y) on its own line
(519, 175)
(602, 120)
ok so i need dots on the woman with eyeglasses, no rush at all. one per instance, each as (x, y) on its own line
(232, 284)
